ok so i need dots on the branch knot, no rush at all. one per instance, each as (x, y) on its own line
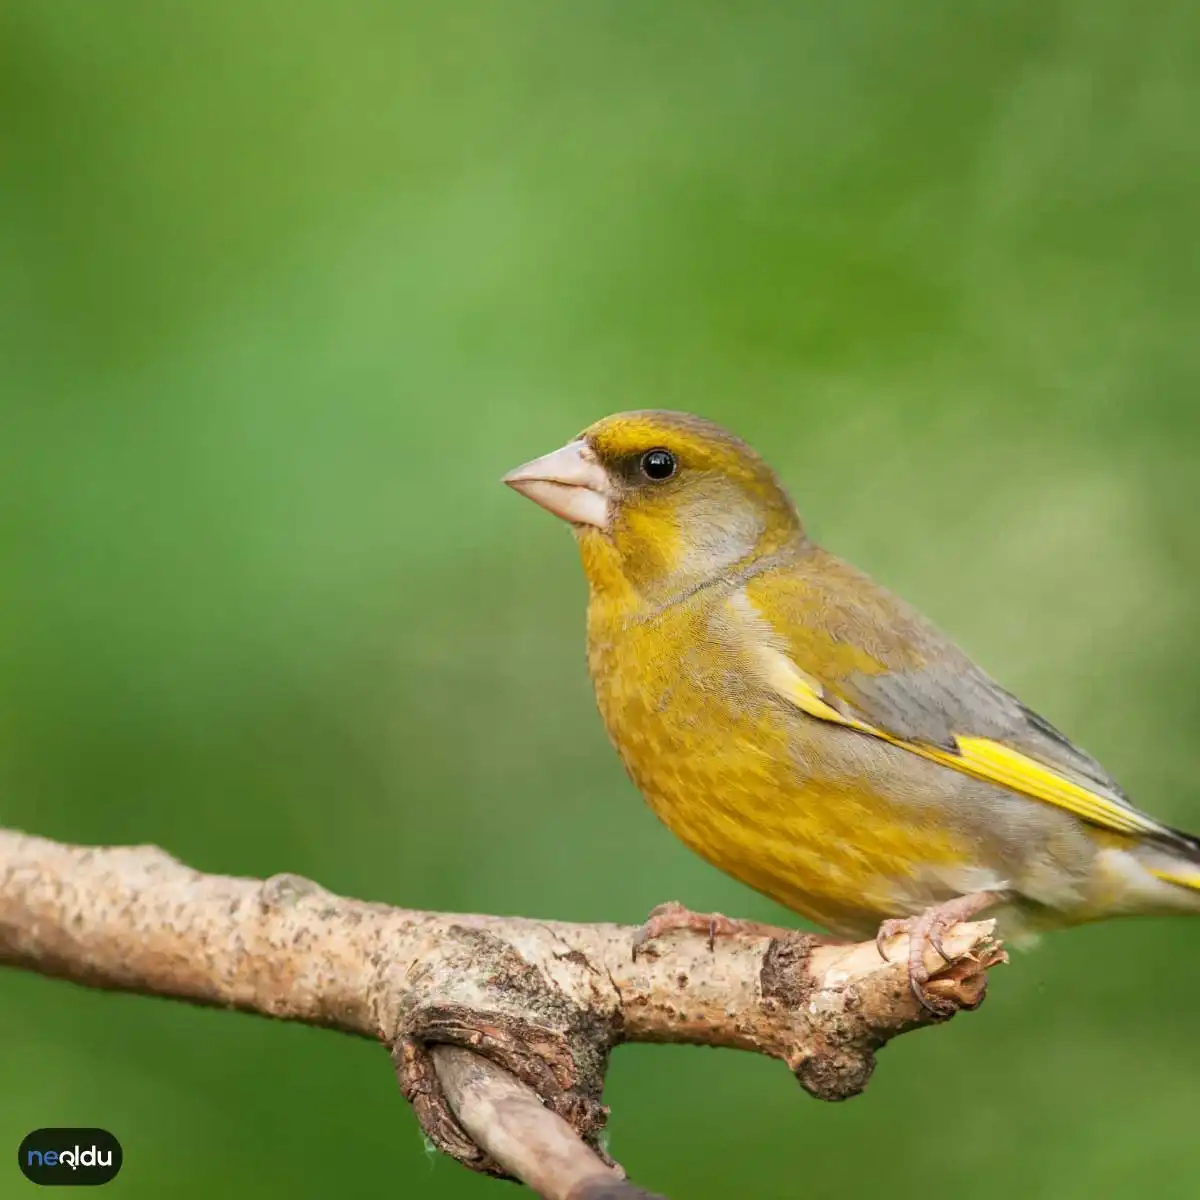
(539, 1057)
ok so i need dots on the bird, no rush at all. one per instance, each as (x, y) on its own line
(806, 731)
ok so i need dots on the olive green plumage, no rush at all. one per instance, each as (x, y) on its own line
(807, 731)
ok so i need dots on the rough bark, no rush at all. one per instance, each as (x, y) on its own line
(538, 1005)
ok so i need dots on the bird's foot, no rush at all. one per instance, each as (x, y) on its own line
(925, 930)
(672, 916)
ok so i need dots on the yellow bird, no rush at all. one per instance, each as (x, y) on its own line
(808, 732)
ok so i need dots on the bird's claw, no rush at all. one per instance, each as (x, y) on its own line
(889, 929)
(935, 940)
(928, 929)
(672, 916)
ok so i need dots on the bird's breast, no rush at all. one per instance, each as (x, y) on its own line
(759, 791)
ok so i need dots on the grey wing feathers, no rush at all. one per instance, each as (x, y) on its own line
(952, 698)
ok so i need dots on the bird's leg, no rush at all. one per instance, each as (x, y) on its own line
(927, 929)
(667, 918)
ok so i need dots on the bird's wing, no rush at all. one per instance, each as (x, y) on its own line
(838, 647)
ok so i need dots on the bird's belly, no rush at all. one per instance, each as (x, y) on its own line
(792, 817)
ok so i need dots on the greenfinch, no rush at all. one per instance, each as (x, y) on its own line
(808, 732)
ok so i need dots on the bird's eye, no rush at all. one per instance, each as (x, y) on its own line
(658, 464)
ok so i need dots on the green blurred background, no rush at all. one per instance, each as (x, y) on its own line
(286, 287)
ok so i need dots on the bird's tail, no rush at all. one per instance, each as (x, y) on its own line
(1175, 860)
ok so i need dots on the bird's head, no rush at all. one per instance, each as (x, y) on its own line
(661, 501)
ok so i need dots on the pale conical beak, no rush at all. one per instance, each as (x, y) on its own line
(569, 482)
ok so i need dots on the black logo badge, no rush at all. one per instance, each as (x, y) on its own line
(73, 1157)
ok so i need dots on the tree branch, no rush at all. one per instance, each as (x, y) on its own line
(537, 1004)
(532, 1143)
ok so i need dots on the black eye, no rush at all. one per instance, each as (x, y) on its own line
(658, 464)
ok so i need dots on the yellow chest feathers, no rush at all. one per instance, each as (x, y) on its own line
(676, 706)
(755, 789)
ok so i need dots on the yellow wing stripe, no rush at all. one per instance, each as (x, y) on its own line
(1187, 881)
(996, 763)
(981, 758)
